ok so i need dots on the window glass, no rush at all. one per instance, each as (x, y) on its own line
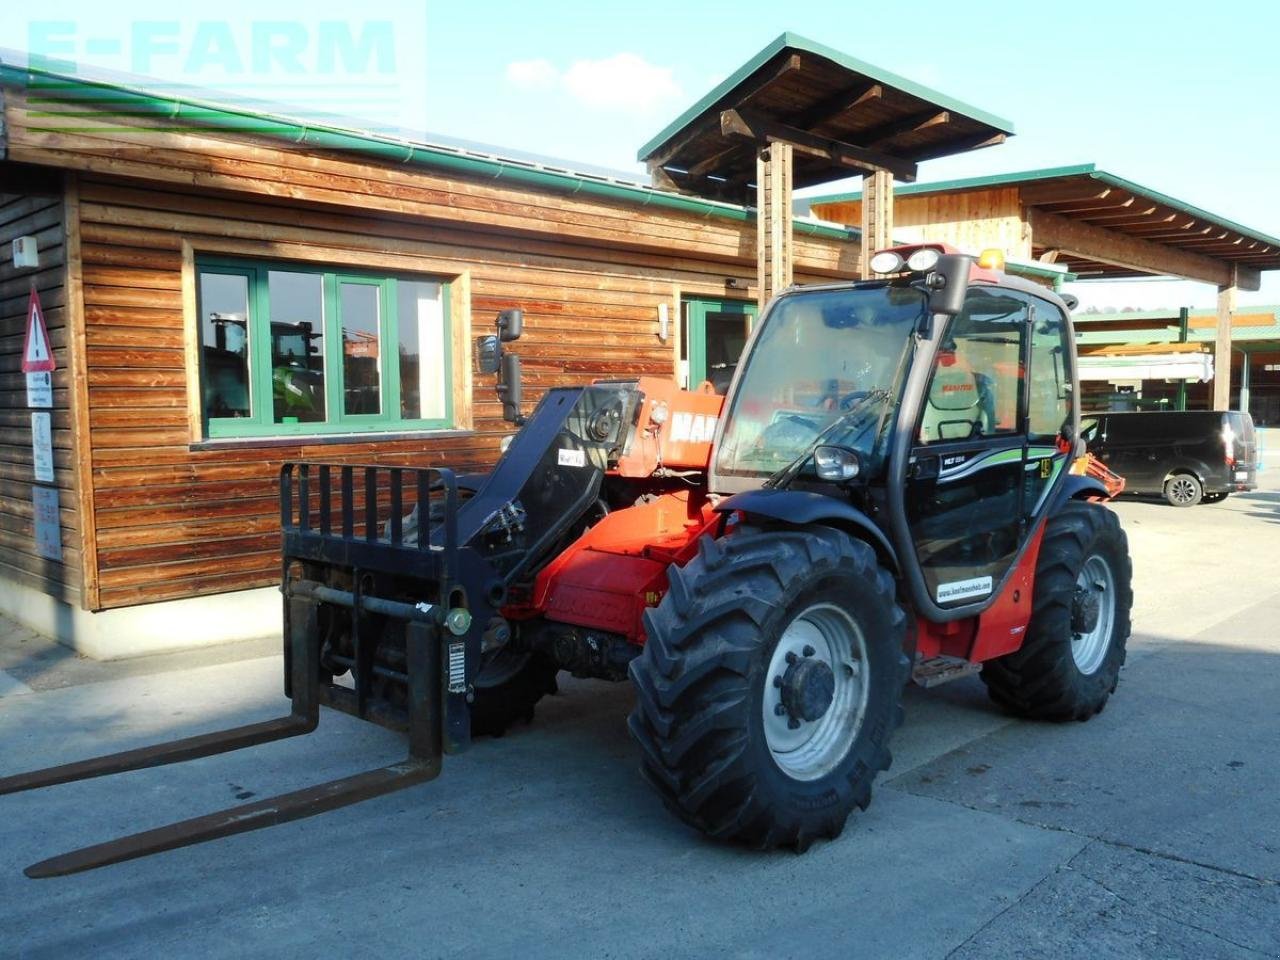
(358, 306)
(1048, 402)
(334, 352)
(224, 344)
(977, 378)
(297, 346)
(422, 379)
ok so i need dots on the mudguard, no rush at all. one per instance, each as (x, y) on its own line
(1076, 487)
(801, 507)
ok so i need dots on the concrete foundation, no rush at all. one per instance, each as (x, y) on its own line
(147, 628)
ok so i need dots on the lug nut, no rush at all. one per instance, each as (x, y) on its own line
(793, 724)
(777, 682)
(809, 651)
(779, 710)
(792, 658)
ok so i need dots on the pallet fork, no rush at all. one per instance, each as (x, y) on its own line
(433, 671)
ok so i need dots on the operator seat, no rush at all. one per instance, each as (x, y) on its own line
(959, 404)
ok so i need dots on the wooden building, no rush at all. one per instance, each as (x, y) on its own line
(226, 291)
(1095, 224)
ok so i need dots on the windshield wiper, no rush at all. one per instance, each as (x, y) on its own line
(785, 475)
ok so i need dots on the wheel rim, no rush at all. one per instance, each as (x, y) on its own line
(1089, 648)
(808, 750)
(1182, 489)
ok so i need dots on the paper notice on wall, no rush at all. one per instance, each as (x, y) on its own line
(44, 501)
(42, 445)
(40, 389)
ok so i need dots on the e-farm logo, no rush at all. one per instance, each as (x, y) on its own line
(322, 68)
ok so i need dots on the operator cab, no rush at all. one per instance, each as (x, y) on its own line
(936, 400)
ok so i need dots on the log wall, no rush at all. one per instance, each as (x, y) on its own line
(31, 204)
(175, 515)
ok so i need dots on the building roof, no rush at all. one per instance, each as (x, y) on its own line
(1250, 326)
(841, 113)
(111, 98)
(1095, 198)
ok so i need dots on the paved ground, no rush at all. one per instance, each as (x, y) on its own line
(1153, 831)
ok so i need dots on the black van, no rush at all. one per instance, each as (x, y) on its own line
(1187, 457)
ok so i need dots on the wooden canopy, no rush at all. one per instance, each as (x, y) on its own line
(841, 116)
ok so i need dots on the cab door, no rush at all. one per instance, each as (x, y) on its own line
(966, 491)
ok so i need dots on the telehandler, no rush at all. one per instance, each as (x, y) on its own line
(882, 495)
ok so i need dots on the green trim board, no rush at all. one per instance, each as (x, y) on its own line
(262, 376)
(1051, 173)
(203, 116)
(803, 44)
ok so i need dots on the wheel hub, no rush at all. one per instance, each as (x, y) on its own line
(816, 688)
(808, 687)
(1086, 608)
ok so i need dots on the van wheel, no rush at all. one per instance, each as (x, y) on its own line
(1183, 490)
(1213, 498)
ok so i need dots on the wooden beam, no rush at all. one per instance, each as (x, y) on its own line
(1112, 203)
(877, 217)
(774, 236)
(752, 126)
(81, 433)
(1112, 247)
(1222, 345)
(962, 145)
(1039, 194)
(885, 132)
(840, 102)
(710, 121)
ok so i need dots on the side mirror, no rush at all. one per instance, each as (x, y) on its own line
(488, 354)
(948, 282)
(510, 324)
(509, 388)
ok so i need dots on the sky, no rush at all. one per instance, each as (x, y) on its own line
(1177, 96)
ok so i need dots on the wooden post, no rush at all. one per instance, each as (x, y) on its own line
(877, 217)
(774, 252)
(1222, 346)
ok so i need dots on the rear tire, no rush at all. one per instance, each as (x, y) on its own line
(718, 743)
(1070, 660)
(1183, 490)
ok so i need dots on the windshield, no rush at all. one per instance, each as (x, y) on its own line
(820, 355)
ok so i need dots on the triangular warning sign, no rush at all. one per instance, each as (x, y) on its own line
(37, 355)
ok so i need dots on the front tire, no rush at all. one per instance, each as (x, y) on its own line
(770, 684)
(1183, 490)
(507, 687)
(1069, 662)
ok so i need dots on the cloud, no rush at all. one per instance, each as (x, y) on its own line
(532, 74)
(624, 81)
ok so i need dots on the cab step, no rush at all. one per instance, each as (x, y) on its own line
(937, 670)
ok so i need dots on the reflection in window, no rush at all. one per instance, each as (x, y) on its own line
(422, 379)
(977, 380)
(296, 305)
(1048, 403)
(358, 307)
(224, 342)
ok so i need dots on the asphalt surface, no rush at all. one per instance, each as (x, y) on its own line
(1151, 831)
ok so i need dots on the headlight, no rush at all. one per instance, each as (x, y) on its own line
(836, 464)
(926, 258)
(886, 261)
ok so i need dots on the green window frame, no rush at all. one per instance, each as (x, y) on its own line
(261, 421)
